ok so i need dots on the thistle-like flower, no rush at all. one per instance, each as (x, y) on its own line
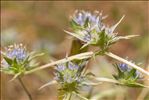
(127, 75)
(14, 52)
(67, 73)
(17, 51)
(89, 28)
(17, 60)
(85, 24)
(87, 20)
(124, 67)
(70, 78)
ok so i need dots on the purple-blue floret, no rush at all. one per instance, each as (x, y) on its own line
(123, 67)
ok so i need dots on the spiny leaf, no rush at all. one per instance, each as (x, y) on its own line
(74, 25)
(131, 73)
(113, 27)
(126, 37)
(8, 60)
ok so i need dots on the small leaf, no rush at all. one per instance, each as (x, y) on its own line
(8, 60)
(14, 63)
(74, 25)
(103, 40)
(120, 73)
(131, 73)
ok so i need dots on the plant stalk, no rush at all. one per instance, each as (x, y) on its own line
(25, 89)
(79, 56)
(85, 56)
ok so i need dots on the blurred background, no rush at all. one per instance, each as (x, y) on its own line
(40, 24)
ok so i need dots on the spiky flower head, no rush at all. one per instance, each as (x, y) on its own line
(67, 72)
(127, 75)
(69, 76)
(124, 67)
(90, 28)
(87, 19)
(17, 51)
(16, 59)
(85, 24)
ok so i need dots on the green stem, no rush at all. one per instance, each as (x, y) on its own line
(126, 62)
(25, 89)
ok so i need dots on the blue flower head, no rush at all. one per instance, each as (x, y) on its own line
(17, 51)
(88, 20)
(66, 72)
(89, 28)
(69, 76)
(125, 72)
(81, 16)
(123, 67)
(16, 59)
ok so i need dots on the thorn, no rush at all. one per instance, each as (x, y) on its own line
(113, 27)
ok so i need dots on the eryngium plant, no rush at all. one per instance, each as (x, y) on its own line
(16, 59)
(70, 72)
(89, 28)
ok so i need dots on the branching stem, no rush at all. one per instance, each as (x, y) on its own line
(85, 56)
(79, 56)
